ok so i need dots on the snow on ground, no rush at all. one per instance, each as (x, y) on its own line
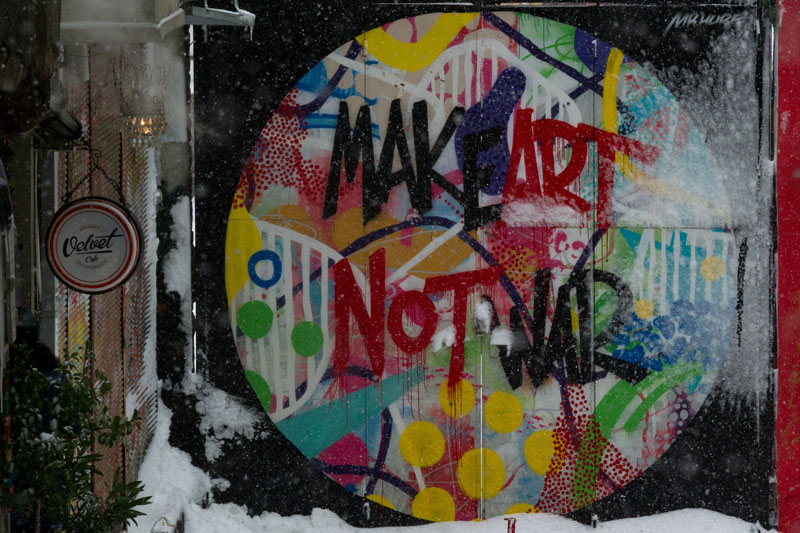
(177, 487)
(231, 518)
(170, 479)
(221, 416)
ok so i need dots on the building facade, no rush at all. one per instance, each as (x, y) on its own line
(461, 260)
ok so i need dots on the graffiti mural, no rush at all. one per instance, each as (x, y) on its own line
(480, 264)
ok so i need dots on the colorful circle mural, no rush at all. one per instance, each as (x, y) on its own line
(478, 264)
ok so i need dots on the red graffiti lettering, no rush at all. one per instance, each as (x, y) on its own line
(522, 146)
(546, 131)
(555, 184)
(349, 299)
(608, 145)
(461, 283)
(404, 302)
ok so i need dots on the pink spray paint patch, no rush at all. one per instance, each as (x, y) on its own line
(349, 450)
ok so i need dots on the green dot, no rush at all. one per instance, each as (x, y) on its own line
(261, 388)
(307, 338)
(254, 319)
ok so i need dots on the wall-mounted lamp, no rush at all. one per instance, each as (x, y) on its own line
(143, 128)
(143, 100)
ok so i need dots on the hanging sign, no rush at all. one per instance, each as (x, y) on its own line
(93, 244)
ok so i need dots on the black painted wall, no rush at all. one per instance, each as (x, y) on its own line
(721, 462)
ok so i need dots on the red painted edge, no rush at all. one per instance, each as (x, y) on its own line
(788, 297)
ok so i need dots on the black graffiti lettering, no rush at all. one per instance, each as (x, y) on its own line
(375, 188)
(377, 184)
(475, 178)
(579, 363)
(561, 344)
(426, 156)
(352, 147)
(578, 356)
(521, 349)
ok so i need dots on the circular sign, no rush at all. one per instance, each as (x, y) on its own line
(478, 264)
(93, 244)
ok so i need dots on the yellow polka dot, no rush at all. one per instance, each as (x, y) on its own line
(503, 412)
(712, 268)
(518, 508)
(434, 504)
(481, 464)
(422, 444)
(459, 401)
(539, 450)
(643, 308)
(377, 498)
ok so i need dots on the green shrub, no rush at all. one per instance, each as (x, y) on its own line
(60, 421)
